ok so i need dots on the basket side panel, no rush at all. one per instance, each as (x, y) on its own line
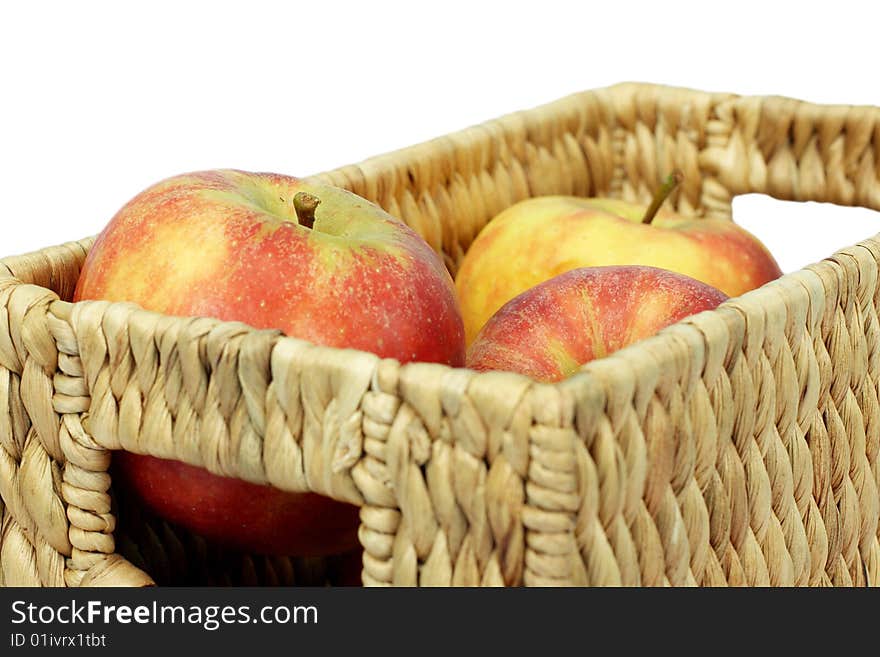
(850, 429)
(469, 480)
(740, 446)
(239, 402)
(646, 457)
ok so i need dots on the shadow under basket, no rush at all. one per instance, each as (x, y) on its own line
(738, 447)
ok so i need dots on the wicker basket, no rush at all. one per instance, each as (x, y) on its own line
(737, 447)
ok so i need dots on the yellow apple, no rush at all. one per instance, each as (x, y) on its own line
(542, 237)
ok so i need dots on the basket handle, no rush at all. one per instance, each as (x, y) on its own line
(798, 151)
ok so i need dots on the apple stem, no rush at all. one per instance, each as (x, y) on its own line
(662, 193)
(304, 205)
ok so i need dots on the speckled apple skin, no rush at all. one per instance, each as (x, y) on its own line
(552, 329)
(227, 244)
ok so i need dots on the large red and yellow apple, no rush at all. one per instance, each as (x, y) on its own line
(550, 330)
(315, 261)
(539, 238)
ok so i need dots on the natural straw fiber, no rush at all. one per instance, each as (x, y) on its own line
(738, 447)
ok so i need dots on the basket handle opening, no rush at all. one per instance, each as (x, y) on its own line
(800, 233)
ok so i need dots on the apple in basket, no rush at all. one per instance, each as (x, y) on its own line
(541, 237)
(550, 330)
(313, 260)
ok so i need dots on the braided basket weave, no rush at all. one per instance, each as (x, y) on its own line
(737, 447)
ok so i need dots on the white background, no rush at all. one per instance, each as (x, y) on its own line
(99, 99)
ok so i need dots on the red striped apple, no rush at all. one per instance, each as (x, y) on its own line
(550, 330)
(315, 261)
(539, 238)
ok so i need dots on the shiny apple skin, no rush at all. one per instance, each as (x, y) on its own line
(552, 329)
(227, 244)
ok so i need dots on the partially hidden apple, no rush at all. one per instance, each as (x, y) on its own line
(550, 330)
(313, 260)
(542, 237)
